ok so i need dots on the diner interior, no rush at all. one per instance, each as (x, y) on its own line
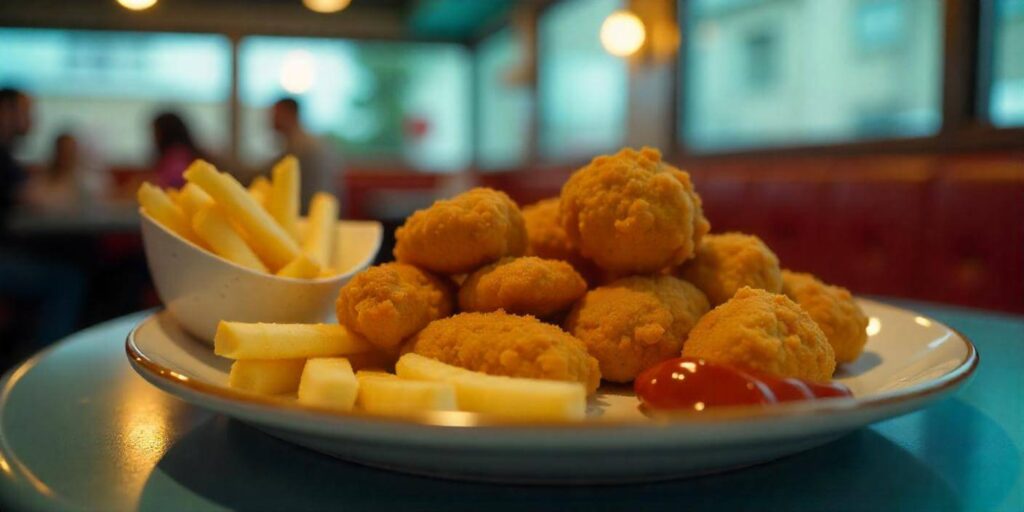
(456, 255)
(878, 144)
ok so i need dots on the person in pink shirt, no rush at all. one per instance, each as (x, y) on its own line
(175, 149)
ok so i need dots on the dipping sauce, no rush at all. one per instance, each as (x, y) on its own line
(695, 384)
(790, 389)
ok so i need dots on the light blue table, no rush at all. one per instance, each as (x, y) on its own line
(79, 430)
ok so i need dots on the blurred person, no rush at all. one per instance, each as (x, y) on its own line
(175, 149)
(15, 122)
(319, 165)
(54, 187)
(71, 180)
(56, 287)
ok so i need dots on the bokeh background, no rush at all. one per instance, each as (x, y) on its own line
(878, 143)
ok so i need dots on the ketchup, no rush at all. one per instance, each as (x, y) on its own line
(696, 384)
(688, 383)
(790, 389)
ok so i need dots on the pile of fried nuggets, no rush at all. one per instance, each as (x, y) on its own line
(616, 275)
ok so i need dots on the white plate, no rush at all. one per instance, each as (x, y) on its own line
(910, 361)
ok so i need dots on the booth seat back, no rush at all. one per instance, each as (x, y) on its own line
(947, 228)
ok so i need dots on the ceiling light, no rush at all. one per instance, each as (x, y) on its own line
(298, 72)
(326, 6)
(622, 33)
(137, 5)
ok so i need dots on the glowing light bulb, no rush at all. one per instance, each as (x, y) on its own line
(326, 6)
(622, 33)
(298, 72)
(137, 5)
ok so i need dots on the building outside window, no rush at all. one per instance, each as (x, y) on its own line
(505, 102)
(1006, 100)
(769, 73)
(378, 103)
(583, 89)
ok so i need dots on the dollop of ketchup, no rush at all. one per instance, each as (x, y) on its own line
(688, 383)
(696, 384)
(790, 389)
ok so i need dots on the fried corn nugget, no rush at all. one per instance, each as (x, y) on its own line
(636, 322)
(833, 309)
(388, 303)
(525, 286)
(631, 213)
(460, 235)
(763, 332)
(729, 261)
(498, 343)
(546, 238)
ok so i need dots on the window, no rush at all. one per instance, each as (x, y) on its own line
(582, 88)
(112, 83)
(762, 73)
(1006, 106)
(762, 59)
(379, 103)
(880, 24)
(505, 102)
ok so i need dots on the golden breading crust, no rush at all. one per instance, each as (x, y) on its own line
(729, 261)
(461, 234)
(636, 322)
(522, 286)
(833, 309)
(388, 303)
(631, 213)
(502, 344)
(763, 332)
(546, 238)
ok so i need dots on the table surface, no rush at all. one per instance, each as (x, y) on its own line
(80, 430)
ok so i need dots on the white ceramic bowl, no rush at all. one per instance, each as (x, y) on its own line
(200, 289)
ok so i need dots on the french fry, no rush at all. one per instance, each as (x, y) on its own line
(213, 227)
(259, 189)
(238, 340)
(283, 195)
(302, 267)
(192, 199)
(416, 367)
(328, 382)
(387, 394)
(162, 209)
(268, 377)
(302, 227)
(355, 234)
(321, 229)
(530, 399)
(273, 245)
(173, 193)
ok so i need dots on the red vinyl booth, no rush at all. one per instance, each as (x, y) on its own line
(946, 228)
